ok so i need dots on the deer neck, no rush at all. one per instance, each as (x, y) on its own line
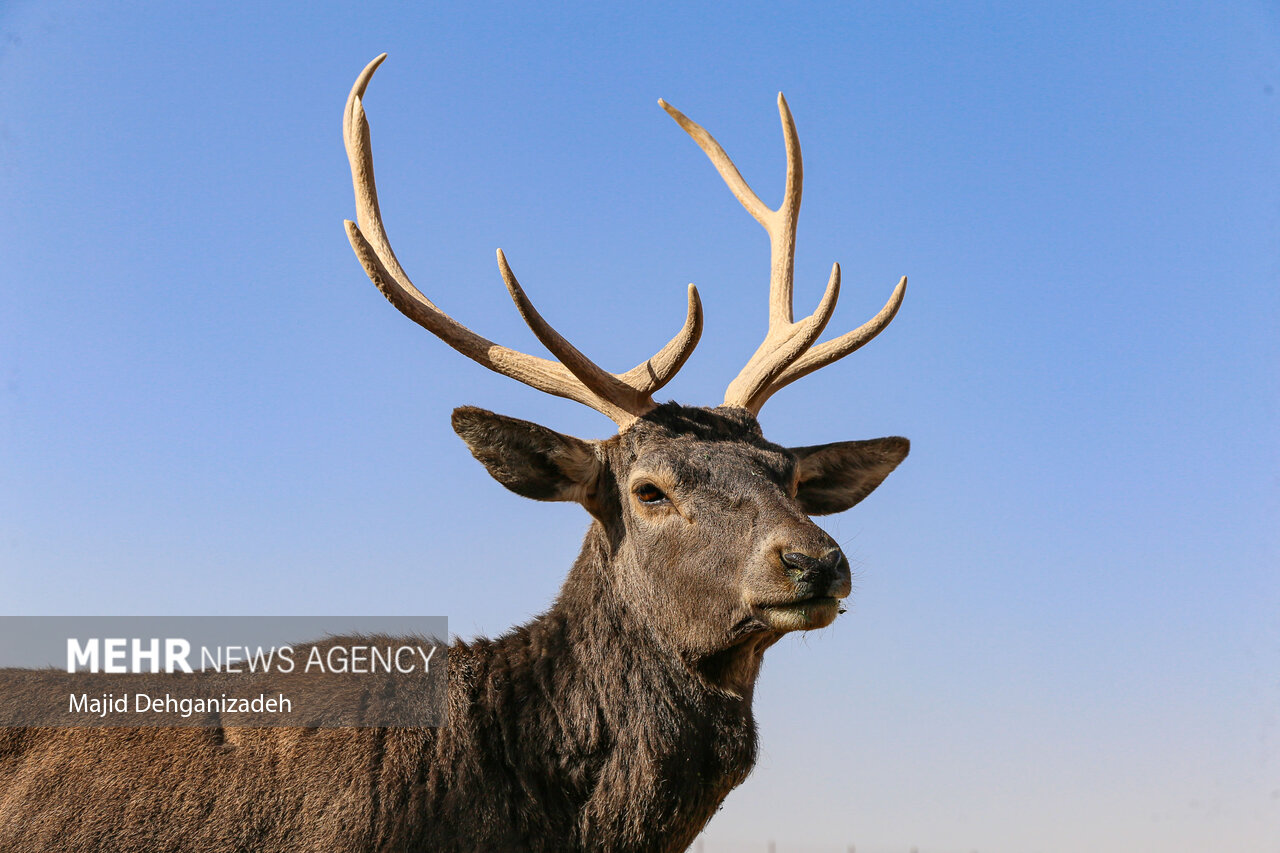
(632, 747)
(604, 628)
(630, 700)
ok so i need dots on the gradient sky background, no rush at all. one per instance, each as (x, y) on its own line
(1066, 627)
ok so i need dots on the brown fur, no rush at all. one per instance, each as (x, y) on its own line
(616, 721)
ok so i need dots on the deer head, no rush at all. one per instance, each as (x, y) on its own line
(705, 524)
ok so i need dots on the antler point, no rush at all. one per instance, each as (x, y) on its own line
(370, 68)
(695, 301)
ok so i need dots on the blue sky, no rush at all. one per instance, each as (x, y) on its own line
(1066, 625)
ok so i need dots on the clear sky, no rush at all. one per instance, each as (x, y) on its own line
(1065, 634)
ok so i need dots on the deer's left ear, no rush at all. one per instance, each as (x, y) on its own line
(834, 477)
(530, 459)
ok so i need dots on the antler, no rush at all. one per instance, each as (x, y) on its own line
(621, 397)
(784, 355)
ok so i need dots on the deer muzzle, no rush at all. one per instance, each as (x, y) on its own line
(816, 579)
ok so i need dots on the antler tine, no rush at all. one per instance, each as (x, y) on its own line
(632, 388)
(780, 224)
(622, 398)
(784, 355)
(785, 340)
(650, 375)
(837, 348)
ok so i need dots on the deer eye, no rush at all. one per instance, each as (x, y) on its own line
(649, 493)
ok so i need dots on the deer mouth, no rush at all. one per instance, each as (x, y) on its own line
(806, 614)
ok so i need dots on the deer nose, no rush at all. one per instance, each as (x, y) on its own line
(807, 569)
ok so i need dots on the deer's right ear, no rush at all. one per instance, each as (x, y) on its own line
(529, 459)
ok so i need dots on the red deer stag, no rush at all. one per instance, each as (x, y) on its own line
(616, 721)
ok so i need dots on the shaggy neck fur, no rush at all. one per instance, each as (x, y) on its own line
(594, 736)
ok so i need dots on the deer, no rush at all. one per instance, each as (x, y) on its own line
(620, 718)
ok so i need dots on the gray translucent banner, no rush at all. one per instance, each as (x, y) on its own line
(223, 671)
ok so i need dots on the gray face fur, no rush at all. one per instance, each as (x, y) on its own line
(712, 545)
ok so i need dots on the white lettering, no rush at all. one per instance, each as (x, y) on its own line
(152, 654)
(78, 654)
(176, 650)
(114, 655)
